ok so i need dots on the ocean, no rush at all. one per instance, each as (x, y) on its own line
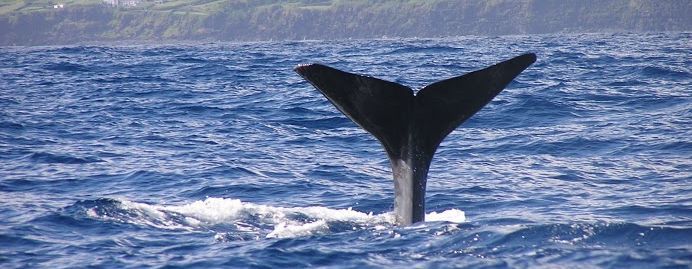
(218, 155)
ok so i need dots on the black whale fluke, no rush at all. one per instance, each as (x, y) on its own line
(410, 127)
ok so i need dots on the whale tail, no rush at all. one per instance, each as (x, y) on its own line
(411, 127)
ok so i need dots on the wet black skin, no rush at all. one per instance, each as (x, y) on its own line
(411, 127)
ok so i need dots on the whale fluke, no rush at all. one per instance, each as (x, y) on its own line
(411, 127)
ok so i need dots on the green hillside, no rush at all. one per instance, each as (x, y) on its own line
(38, 22)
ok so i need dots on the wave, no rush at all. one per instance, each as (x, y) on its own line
(11, 125)
(45, 157)
(231, 217)
(428, 49)
(667, 72)
(66, 67)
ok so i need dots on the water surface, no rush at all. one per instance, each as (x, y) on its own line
(210, 155)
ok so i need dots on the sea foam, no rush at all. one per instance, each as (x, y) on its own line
(250, 217)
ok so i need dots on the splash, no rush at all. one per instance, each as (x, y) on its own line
(234, 216)
(452, 215)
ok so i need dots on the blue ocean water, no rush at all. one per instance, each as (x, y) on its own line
(219, 155)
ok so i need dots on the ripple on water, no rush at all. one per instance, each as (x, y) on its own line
(219, 155)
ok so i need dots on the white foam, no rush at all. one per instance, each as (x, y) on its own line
(283, 230)
(210, 211)
(452, 215)
(140, 214)
(253, 218)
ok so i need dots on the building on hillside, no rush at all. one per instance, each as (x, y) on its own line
(123, 3)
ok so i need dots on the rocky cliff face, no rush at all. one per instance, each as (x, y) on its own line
(238, 20)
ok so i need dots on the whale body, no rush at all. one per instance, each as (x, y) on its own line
(411, 126)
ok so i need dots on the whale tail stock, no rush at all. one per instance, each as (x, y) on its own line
(410, 127)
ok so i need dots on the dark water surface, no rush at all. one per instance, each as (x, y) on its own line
(210, 155)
